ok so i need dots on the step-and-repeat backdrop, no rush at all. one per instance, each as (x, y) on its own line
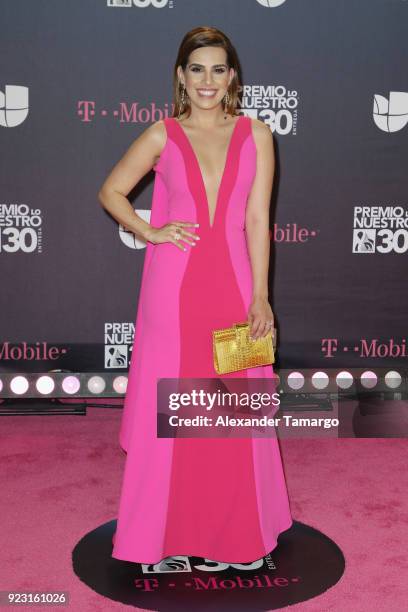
(81, 79)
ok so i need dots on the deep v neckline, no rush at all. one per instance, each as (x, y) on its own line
(224, 172)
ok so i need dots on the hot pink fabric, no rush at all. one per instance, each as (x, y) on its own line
(220, 498)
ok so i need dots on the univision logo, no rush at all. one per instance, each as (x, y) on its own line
(271, 3)
(391, 115)
(13, 105)
(130, 239)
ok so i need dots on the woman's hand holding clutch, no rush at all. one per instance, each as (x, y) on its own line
(260, 317)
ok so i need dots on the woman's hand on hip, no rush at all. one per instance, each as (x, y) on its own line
(173, 232)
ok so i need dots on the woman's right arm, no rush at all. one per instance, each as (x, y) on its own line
(137, 161)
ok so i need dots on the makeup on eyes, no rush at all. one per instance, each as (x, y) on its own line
(218, 67)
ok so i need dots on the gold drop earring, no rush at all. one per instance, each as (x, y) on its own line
(226, 102)
(183, 99)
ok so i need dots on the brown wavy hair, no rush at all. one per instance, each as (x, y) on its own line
(205, 36)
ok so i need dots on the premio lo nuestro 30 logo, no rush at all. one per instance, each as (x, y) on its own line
(275, 105)
(271, 3)
(380, 229)
(20, 229)
(138, 3)
(118, 340)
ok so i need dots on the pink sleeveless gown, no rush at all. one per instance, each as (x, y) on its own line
(220, 498)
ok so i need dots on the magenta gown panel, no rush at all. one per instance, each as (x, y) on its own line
(223, 499)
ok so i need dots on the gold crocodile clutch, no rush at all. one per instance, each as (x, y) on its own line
(233, 349)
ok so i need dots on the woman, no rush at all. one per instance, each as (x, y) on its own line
(206, 267)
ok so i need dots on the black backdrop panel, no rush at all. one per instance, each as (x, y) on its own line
(81, 79)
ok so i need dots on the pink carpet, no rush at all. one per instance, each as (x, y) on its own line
(61, 478)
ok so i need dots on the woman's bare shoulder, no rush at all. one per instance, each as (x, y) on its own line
(156, 134)
(262, 134)
(152, 140)
(261, 129)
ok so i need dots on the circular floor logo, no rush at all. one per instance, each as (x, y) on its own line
(303, 565)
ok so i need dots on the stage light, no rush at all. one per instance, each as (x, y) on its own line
(96, 384)
(344, 380)
(45, 384)
(296, 380)
(392, 379)
(368, 379)
(320, 380)
(120, 384)
(307, 381)
(71, 384)
(19, 385)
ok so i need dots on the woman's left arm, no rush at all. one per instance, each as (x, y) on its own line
(260, 314)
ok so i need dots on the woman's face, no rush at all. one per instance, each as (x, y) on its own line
(206, 76)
